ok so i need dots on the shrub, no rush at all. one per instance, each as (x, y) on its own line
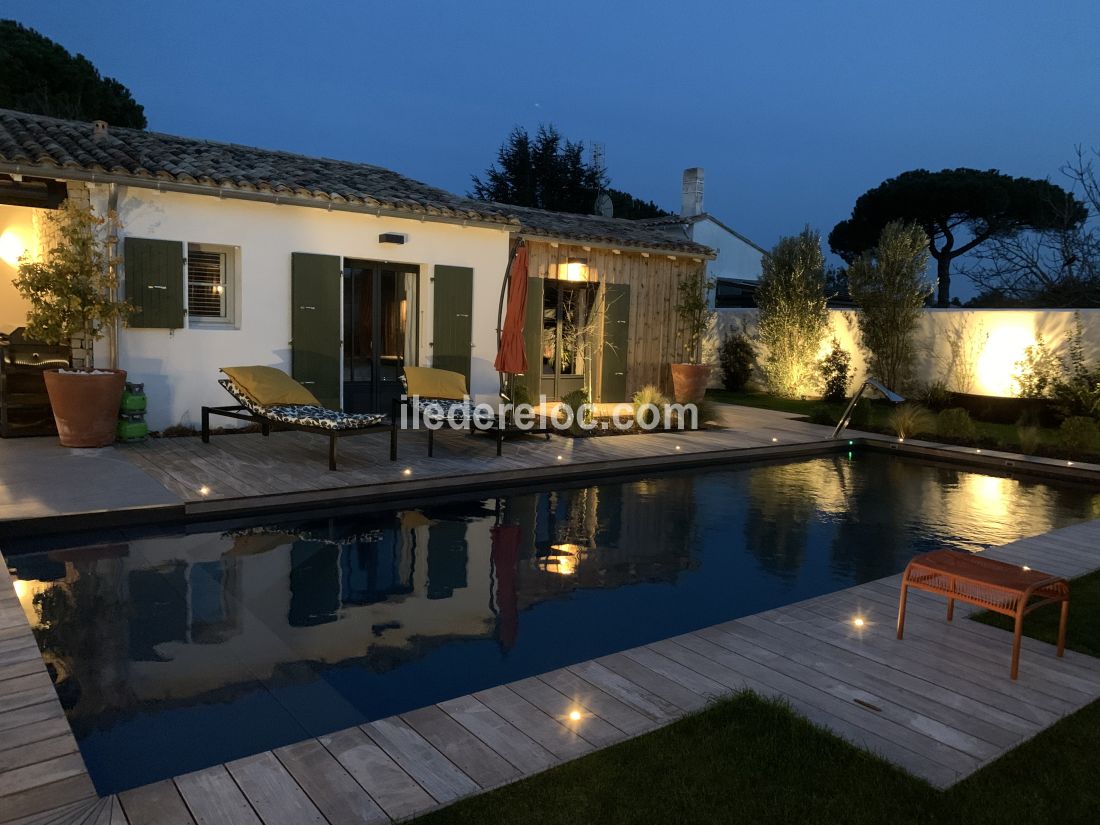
(574, 401)
(1038, 372)
(1028, 436)
(737, 356)
(834, 373)
(910, 419)
(823, 414)
(694, 311)
(889, 285)
(709, 412)
(956, 423)
(792, 316)
(520, 394)
(651, 394)
(1079, 434)
(935, 395)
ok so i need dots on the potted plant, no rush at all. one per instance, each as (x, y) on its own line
(72, 292)
(690, 379)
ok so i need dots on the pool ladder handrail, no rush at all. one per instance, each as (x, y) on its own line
(874, 383)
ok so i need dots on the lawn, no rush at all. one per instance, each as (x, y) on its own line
(750, 760)
(873, 416)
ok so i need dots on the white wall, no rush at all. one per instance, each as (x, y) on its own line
(180, 367)
(971, 350)
(736, 259)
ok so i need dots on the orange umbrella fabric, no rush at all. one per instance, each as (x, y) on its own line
(512, 355)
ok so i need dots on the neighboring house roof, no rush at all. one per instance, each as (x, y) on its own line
(38, 145)
(684, 222)
(616, 232)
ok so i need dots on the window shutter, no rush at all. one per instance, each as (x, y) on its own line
(154, 282)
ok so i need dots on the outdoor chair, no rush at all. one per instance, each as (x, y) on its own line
(435, 397)
(269, 397)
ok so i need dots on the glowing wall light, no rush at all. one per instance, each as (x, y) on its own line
(996, 367)
(12, 247)
(575, 269)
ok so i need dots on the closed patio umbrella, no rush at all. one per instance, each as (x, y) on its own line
(512, 354)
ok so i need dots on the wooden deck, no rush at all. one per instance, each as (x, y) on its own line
(938, 704)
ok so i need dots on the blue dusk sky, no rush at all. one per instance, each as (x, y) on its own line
(793, 109)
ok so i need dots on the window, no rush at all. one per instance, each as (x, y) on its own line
(211, 285)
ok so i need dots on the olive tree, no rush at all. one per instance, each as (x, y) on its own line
(889, 285)
(792, 317)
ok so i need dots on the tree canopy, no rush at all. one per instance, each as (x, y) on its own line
(958, 209)
(40, 76)
(548, 171)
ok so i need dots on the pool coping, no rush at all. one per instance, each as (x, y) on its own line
(415, 490)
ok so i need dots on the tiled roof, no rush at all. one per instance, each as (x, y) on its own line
(598, 229)
(50, 146)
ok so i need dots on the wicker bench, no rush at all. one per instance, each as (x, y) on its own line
(994, 585)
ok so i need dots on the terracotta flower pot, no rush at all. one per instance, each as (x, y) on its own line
(689, 382)
(85, 405)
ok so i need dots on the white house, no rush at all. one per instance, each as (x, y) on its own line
(341, 273)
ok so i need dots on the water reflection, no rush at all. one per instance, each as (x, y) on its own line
(224, 643)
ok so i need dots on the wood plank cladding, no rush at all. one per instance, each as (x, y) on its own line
(654, 339)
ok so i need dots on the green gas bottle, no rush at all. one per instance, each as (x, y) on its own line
(132, 428)
(133, 399)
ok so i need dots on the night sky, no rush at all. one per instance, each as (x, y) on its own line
(793, 109)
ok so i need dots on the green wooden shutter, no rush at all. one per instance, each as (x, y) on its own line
(452, 324)
(153, 270)
(532, 334)
(316, 283)
(616, 338)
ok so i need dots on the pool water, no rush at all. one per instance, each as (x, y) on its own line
(173, 652)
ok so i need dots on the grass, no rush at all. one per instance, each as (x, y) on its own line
(876, 415)
(1083, 630)
(752, 760)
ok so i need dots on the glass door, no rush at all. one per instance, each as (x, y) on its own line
(566, 335)
(379, 332)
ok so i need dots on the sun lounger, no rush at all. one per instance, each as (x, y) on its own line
(307, 417)
(438, 398)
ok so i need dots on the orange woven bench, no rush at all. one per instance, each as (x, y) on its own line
(995, 585)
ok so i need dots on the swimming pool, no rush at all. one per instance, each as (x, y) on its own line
(173, 651)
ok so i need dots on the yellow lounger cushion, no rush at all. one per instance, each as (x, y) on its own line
(428, 382)
(270, 387)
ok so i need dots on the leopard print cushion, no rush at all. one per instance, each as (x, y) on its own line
(305, 415)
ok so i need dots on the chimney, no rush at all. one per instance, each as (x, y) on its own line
(99, 130)
(691, 202)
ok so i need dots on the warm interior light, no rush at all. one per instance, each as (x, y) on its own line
(564, 559)
(574, 716)
(576, 269)
(12, 247)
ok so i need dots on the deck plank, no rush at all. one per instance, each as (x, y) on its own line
(273, 792)
(472, 756)
(388, 784)
(333, 790)
(548, 732)
(435, 773)
(214, 798)
(525, 754)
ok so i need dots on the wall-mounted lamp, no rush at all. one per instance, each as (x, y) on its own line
(12, 247)
(575, 269)
(392, 237)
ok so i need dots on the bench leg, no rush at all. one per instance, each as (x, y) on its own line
(393, 441)
(1016, 639)
(332, 452)
(950, 609)
(205, 425)
(500, 440)
(901, 607)
(1062, 622)
(431, 441)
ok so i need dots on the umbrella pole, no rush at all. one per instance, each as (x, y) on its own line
(500, 309)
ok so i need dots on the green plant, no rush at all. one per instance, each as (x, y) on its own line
(708, 411)
(1077, 393)
(956, 423)
(520, 394)
(72, 291)
(650, 394)
(910, 419)
(1039, 371)
(575, 401)
(694, 310)
(935, 395)
(736, 356)
(889, 286)
(834, 373)
(792, 317)
(1028, 436)
(1079, 434)
(823, 414)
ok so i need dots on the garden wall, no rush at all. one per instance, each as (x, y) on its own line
(971, 350)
